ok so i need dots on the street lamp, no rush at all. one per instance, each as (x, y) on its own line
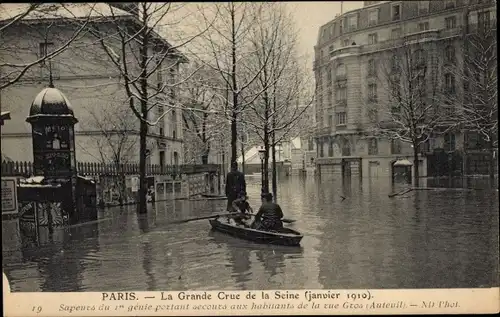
(262, 154)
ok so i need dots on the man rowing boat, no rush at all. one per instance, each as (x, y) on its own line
(269, 216)
(241, 205)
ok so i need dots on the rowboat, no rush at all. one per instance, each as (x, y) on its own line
(285, 236)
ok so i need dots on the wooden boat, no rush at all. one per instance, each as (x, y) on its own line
(285, 236)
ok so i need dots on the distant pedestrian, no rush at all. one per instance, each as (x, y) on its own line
(235, 184)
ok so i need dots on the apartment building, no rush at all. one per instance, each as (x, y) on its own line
(107, 127)
(349, 91)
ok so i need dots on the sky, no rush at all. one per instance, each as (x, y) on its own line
(309, 16)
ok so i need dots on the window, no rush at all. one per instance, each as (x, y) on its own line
(346, 148)
(341, 95)
(483, 19)
(45, 49)
(372, 146)
(373, 115)
(449, 56)
(451, 22)
(395, 147)
(449, 83)
(371, 67)
(394, 63)
(345, 42)
(352, 22)
(372, 38)
(395, 91)
(162, 160)
(310, 145)
(395, 34)
(419, 58)
(373, 17)
(341, 26)
(420, 83)
(449, 142)
(321, 149)
(341, 118)
(449, 4)
(162, 132)
(331, 48)
(330, 149)
(330, 121)
(372, 92)
(341, 70)
(396, 12)
(424, 26)
(423, 7)
(159, 78)
(176, 158)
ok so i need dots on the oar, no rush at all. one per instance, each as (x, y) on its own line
(201, 218)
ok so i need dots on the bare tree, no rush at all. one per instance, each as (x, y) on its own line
(477, 108)
(410, 78)
(229, 50)
(203, 116)
(143, 58)
(18, 59)
(114, 136)
(282, 81)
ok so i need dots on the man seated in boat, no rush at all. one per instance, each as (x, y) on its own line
(269, 216)
(241, 205)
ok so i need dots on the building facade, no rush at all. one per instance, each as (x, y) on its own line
(349, 96)
(107, 129)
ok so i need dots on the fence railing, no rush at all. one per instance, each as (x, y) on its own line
(26, 169)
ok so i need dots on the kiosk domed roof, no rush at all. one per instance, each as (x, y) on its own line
(51, 101)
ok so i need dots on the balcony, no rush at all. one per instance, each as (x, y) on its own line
(345, 51)
(323, 131)
(429, 35)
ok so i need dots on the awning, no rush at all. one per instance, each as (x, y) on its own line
(5, 115)
(403, 162)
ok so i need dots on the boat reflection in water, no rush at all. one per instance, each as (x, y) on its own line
(245, 258)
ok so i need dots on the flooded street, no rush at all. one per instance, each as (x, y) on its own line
(422, 239)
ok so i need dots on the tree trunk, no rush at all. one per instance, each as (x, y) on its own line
(242, 155)
(265, 173)
(415, 165)
(142, 207)
(492, 159)
(274, 179)
(143, 132)
(234, 132)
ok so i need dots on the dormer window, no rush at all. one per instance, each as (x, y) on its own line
(449, 4)
(423, 7)
(396, 12)
(352, 22)
(373, 17)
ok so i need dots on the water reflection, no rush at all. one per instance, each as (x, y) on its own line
(355, 236)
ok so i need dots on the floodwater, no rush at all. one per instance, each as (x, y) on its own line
(422, 239)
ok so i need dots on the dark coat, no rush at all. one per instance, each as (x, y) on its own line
(235, 184)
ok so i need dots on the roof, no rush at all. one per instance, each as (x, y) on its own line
(403, 162)
(49, 11)
(98, 12)
(5, 115)
(50, 101)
